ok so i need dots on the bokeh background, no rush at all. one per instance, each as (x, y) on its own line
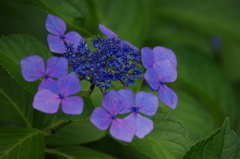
(204, 34)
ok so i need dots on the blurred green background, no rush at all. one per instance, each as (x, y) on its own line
(204, 35)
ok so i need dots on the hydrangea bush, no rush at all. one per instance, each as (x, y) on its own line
(88, 95)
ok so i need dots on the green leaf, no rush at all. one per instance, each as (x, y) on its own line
(129, 21)
(15, 47)
(21, 143)
(77, 152)
(202, 76)
(72, 12)
(76, 133)
(96, 97)
(45, 122)
(167, 140)
(15, 102)
(208, 18)
(224, 143)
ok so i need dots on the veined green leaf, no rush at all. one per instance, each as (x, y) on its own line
(224, 143)
(168, 139)
(21, 143)
(75, 133)
(77, 152)
(16, 103)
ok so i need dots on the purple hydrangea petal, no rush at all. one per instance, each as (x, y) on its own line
(165, 70)
(73, 37)
(69, 84)
(50, 84)
(152, 79)
(122, 42)
(32, 68)
(129, 98)
(147, 57)
(55, 44)
(46, 101)
(55, 25)
(72, 105)
(143, 124)
(101, 118)
(107, 32)
(147, 103)
(168, 96)
(161, 53)
(113, 102)
(122, 129)
(57, 67)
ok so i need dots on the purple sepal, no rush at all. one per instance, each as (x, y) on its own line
(152, 79)
(168, 96)
(122, 42)
(147, 103)
(55, 44)
(147, 57)
(69, 84)
(57, 67)
(165, 71)
(129, 98)
(107, 32)
(101, 118)
(55, 25)
(122, 129)
(50, 84)
(143, 124)
(46, 101)
(113, 102)
(73, 37)
(72, 105)
(32, 68)
(161, 53)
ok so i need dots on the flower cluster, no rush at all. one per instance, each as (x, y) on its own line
(110, 60)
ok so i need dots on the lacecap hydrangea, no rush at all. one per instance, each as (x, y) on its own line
(111, 59)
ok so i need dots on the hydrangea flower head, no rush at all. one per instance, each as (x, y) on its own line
(113, 103)
(32, 68)
(150, 56)
(109, 61)
(146, 103)
(157, 76)
(48, 102)
(57, 27)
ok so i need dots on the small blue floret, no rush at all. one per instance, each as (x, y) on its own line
(61, 96)
(135, 110)
(162, 82)
(46, 75)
